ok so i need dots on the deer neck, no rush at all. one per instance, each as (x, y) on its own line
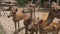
(14, 15)
(31, 14)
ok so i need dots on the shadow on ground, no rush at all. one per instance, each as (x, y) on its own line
(19, 30)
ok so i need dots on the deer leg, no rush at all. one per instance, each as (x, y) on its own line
(45, 32)
(26, 31)
(56, 32)
(37, 32)
(18, 24)
(31, 32)
(4, 12)
(15, 26)
(41, 31)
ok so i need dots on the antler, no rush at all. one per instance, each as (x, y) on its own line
(31, 1)
(37, 1)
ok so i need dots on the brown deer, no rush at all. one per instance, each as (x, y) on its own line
(34, 27)
(53, 28)
(17, 15)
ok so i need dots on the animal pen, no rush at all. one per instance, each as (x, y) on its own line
(35, 17)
